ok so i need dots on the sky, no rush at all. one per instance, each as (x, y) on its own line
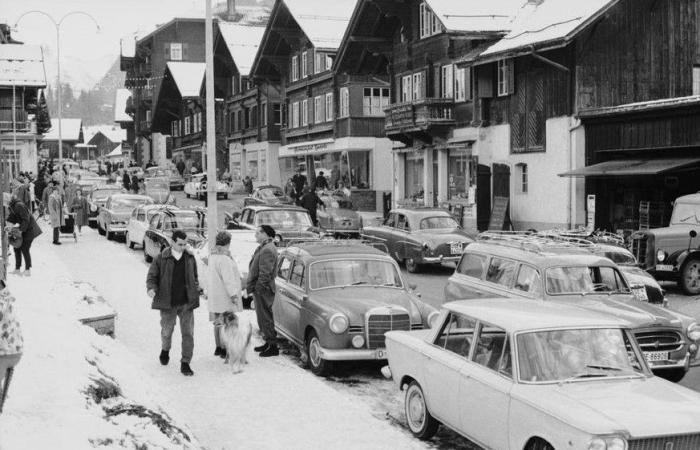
(86, 53)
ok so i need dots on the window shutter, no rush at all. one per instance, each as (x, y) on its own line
(485, 82)
(167, 51)
(437, 78)
(467, 83)
(510, 68)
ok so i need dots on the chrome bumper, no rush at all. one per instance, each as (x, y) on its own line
(348, 354)
(661, 365)
(440, 259)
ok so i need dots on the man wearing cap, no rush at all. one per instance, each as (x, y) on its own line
(261, 283)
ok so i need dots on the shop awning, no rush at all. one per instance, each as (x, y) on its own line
(629, 167)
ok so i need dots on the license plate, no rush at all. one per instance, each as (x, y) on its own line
(656, 356)
(380, 354)
(456, 248)
(664, 267)
(641, 294)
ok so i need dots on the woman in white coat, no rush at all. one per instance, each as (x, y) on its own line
(225, 292)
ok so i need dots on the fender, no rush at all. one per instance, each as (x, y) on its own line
(682, 256)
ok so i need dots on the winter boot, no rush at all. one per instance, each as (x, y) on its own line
(260, 348)
(185, 369)
(218, 351)
(271, 350)
(164, 357)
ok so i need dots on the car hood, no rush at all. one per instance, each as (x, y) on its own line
(295, 234)
(675, 237)
(159, 196)
(626, 307)
(635, 275)
(603, 406)
(354, 301)
(438, 237)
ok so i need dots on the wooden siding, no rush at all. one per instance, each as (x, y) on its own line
(642, 50)
(360, 126)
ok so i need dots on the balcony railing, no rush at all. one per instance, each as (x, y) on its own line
(21, 123)
(420, 114)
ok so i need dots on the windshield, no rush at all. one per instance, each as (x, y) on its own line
(354, 272)
(431, 223)
(129, 203)
(685, 213)
(271, 193)
(284, 220)
(583, 280)
(564, 355)
(104, 194)
(181, 221)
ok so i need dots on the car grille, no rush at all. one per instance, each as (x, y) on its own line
(682, 442)
(659, 340)
(355, 329)
(639, 249)
(416, 326)
(381, 320)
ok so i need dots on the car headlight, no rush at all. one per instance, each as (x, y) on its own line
(358, 341)
(338, 323)
(660, 255)
(694, 332)
(432, 319)
(93, 208)
(608, 443)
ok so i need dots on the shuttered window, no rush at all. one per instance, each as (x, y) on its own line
(528, 116)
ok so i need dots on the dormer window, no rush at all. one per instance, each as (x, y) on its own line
(429, 22)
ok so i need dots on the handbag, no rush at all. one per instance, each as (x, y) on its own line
(14, 237)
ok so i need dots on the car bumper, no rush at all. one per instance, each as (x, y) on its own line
(351, 354)
(117, 229)
(440, 259)
(670, 364)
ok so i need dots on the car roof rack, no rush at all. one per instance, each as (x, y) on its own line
(335, 243)
(535, 242)
(595, 237)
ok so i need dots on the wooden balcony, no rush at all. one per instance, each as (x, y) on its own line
(419, 116)
(20, 124)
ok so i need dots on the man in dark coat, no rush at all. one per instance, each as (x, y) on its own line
(321, 182)
(24, 220)
(299, 181)
(310, 201)
(173, 285)
(180, 165)
(261, 283)
(126, 181)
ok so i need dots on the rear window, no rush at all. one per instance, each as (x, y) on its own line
(472, 265)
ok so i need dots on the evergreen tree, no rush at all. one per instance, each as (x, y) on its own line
(43, 120)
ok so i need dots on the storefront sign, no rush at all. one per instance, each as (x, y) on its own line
(590, 217)
(312, 147)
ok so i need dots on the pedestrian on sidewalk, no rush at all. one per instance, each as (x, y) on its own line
(311, 201)
(261, 283)
(56, 213)
(24, 220)
(80, 208)
(224, 294)
(173, 285)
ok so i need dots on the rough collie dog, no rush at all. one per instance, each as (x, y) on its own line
(235, 335)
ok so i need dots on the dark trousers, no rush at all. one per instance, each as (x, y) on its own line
(24, 251)
(55, 233)
(168, 318)
(263, 311)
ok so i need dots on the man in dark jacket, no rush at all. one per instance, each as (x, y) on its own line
(173, 285)
(261, 283)
(310, 201)
(24, 220)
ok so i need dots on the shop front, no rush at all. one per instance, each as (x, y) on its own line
(255, 160)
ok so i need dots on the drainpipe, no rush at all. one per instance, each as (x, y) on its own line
(575, 124)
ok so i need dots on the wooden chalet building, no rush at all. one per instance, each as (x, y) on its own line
(71, 136)
(123, 107)
(324, 127)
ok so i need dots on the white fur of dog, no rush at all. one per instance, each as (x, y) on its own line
(235, 335)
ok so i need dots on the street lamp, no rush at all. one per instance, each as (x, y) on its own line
(58, 24)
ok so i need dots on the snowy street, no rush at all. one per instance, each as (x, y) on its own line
(274, 402)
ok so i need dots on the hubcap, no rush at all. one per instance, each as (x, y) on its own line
(415, 409)
(315, 352)
(693, 274)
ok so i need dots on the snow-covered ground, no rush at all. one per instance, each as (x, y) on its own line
(75, 389)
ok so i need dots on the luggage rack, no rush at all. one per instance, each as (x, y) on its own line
(536, 242)
(595, 237)
(333, 242)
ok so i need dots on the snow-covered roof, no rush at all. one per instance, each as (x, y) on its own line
(22, 65)
(112, 132)
(242, 42)
(70, 130)
(117, 152)
(476, 15)
(120, 101)
(552, 21)
(323, 21)
(188, 77)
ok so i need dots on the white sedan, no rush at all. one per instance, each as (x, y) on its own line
(527, 374)
(195, 188)
(138, 223)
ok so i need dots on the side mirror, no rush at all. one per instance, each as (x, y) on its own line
(693, 233)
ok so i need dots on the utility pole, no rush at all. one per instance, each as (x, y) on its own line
(212, 207)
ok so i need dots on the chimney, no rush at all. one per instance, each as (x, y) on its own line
(231, 10)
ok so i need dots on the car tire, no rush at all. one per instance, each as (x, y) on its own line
(421, 423)
(187, 195)
(225, 196)
(672, 375)
(318, 365)
(110, 235)
(127, 241)
(538, 444)
(411, 265)
(92, 225)
(690, 277)
(100, 230)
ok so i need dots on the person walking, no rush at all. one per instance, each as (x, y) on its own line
(45, 196)
(261, 283)
(311, 201)
(248, 185)
(24, 220)
(56, 213)
(126, 181)
(80, 208)
(299, 180)
(225, 292)
(173, 285)
(321, 181)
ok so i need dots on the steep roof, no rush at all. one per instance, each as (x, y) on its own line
(22, 65)
(476, 15)
(111, 132)
(323, 21)
(242, 42)
(188, 77)
(120, 101)
(70, 130)
(553, 22)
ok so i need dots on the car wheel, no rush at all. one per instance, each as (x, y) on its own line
(538, 444)
(127, 241)
(318, 365)
(672, 375)
(187, 195)
(421, 423)
(92, 225)
(110, 235)
(100, 230)
(411, 265)
(690, 277)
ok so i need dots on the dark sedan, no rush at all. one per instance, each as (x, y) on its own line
(268, 195)
(160, 230)
(338, 217)
(420, 236)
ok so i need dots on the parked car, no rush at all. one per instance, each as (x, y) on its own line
(268, 195)
(195, 188)
(177, 182)
(97, 199)
(337, 217)
(138, 223)
(336, 299)
(114, 216)
(159, 190)
(516, 267)
(160, 230)
(533, 375)
(673, 253)
(419, 236)
(290, 222)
